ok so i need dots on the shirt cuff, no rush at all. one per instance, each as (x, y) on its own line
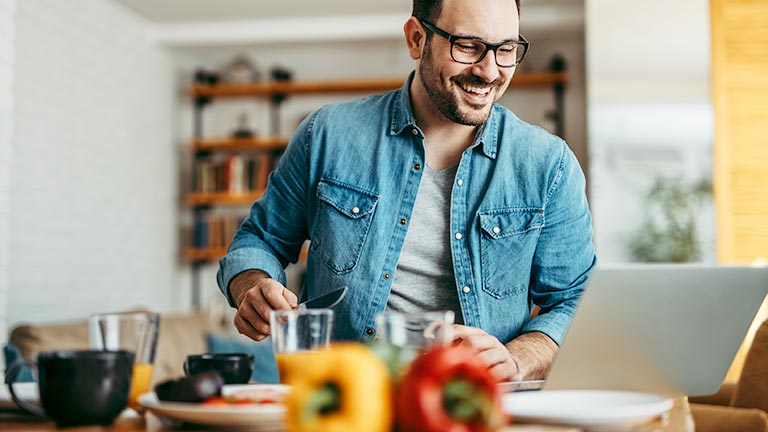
(240, 260)
(552, 324)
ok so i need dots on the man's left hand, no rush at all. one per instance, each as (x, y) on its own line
(490, 350)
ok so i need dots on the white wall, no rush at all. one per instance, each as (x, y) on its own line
(648, 93)
(7, 13)
(93, 188)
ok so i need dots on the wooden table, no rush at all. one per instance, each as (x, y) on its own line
(677, 420)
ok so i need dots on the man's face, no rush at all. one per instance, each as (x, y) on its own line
(465, 93)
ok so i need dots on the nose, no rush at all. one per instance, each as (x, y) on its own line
(487, 68)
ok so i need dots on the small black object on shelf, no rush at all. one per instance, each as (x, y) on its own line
(203, 76)
(280, 73)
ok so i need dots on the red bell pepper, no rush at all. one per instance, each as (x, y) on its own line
(448, 389)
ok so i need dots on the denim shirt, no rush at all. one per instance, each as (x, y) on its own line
(520, 224)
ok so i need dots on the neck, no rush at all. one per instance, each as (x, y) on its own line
(445, 139)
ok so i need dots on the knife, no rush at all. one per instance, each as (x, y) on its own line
(325, 301)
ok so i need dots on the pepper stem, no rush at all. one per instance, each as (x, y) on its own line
(323, 401)
(464, 401)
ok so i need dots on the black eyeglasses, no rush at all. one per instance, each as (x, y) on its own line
(470, 50)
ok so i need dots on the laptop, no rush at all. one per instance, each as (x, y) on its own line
(668, 329)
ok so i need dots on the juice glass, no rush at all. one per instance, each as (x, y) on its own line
(298, 333)
(131, 331)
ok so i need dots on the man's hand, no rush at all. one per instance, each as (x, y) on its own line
(256, 295)
(529, 356)
(492, 352)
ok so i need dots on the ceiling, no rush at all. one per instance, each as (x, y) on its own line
(179, 11)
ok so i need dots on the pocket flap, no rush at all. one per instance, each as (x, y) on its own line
(349, 200)
(507, 222)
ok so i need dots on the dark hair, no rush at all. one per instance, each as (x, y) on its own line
(429, 10)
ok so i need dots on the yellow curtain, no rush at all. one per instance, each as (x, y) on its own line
(740, 100)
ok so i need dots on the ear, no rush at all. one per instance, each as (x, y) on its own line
(415, 37)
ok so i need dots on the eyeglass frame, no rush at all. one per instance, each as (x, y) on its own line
(489, 46)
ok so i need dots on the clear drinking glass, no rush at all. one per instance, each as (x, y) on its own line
(131, 331)
(413, 333)
(298, 332)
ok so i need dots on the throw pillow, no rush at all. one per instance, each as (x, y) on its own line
(12, 355)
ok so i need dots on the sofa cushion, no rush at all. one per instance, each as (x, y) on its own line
(264, 365)
(752, 390)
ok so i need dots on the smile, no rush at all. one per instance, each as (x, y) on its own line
(482, 91)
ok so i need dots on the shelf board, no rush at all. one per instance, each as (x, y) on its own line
(295, 87)
(234, 144)
(222, 198)
(214, 254)
(533, 79)
(205, 254)
(347, 86)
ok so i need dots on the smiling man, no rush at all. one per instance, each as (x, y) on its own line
(431, 197)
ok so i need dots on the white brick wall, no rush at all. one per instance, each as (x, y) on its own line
(93, 189)
(7, 12)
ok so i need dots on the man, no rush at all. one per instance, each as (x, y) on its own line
(428, 198)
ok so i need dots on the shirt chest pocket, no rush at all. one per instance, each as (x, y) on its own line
(508, 241)
(343, 218)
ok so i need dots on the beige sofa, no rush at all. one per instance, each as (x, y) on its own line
(743, 406)
(180, 335)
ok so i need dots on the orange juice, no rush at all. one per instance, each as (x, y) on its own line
(142, 375)
(282, 360)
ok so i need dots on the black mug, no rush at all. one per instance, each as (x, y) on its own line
(78, 388)
(235, 368)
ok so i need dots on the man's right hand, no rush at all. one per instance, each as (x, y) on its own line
(256, 295)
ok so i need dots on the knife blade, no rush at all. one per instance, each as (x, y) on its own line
(325, 301)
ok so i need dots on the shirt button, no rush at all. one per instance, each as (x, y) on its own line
(458, 236)
(460, 182)
(466, 290)
(496, 230)
(355, 210)
(415, 131)
(417, 167)
(403, 221)
(369, 331)
(387, 276)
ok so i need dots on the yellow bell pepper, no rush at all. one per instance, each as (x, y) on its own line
(343, 388)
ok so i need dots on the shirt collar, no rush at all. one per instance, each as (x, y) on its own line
(402, 119)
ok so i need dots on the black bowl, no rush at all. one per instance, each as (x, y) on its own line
(235, 368)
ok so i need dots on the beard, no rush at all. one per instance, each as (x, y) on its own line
(449, 103)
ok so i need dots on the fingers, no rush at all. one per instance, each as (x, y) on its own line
(252, 317)
(291, 298)
(244, 327)
(490, 351)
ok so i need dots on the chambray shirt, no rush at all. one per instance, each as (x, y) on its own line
(520, 225)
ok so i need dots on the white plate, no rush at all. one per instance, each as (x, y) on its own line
(585, 407)
(259, 416)
(25, 390)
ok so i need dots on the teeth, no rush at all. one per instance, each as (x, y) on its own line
(479, 90)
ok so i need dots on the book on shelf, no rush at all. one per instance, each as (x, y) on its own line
(215, 231)
(234, 174)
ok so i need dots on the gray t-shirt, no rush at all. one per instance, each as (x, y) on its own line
(424, 280)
